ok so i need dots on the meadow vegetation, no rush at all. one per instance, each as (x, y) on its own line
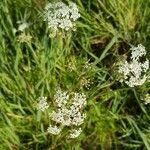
(35, 63)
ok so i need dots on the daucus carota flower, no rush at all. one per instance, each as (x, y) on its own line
(79, 100)
(42, 105)
(68, 109)
(61, 98)
(67, 112)
(138, 52)
(146, 99)
(59, 15)
(53, 129)
(75, 133)
(134, 71)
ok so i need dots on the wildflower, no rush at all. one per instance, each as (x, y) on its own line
(79, 100)
(57, 116)
(61, 98)
(147, 99)
(75, 133)
(42, 105)
(135, 70)
(23, 26)
(138, 52)
(24, 38)
(69, 108)
(86, 83)
(53, 130)
(71, 115)
(59, 15)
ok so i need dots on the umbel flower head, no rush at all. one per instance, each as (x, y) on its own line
(59, 15)
(67, 112)
(134, 72)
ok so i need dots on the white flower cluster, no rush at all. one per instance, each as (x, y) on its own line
(134, 71)
(74, 133)
(68, 111)
(146, 99)
(53, 130)
(42, 105)
(59, 15)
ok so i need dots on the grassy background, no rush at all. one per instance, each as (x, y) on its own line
(116, 115)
